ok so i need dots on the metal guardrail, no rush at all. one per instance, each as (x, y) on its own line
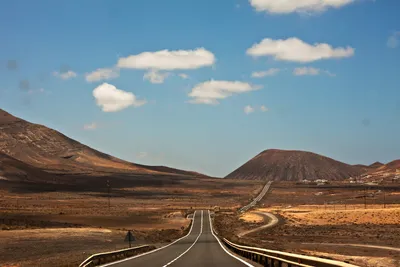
(264, 259)
(107, 257)
(272, 257)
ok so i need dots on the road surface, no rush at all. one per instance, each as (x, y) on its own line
(258, 198)
(272, 221)
(199, 248)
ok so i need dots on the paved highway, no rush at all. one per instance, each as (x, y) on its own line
(199, 248)
(258, 198)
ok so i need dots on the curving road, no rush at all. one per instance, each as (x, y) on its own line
(200, 247)
(272, 221)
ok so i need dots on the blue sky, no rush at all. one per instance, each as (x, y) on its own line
(328, 77)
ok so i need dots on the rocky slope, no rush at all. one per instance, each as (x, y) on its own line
(49, 150)
(286, 165)
(14, 170)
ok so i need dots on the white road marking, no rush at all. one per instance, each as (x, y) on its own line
(201, 231)
(219, 242)
(151, 251)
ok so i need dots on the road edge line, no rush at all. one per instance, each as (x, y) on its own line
(222, 246)
(154, 250)
(194, 243)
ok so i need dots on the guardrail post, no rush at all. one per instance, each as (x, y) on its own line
(266, 264)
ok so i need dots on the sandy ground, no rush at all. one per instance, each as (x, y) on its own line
(327, 221)
(329, 215)
(62, 228)
(252, 217)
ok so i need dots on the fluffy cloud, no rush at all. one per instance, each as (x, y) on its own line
(310, 71)
(294, 49)
(111, 99)
(270, 72)
(90, 126)
(290, 6)
(65, 75)
(210, 92)
(155, 76)
(263, 108)
(393, 40)
(248, 109)
(102, 74)
(169, 60)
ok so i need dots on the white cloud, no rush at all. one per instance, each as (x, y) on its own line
(111, 99)
(248, 109)
(210, 92)
(393, 40)
(294, 49)
(263, 108)
(65, 75)
(169, 60)
(290, 6)
(102, 74)
(155, 76)
(183, 76)
(302, 71)
(306, 71)
(90, 126)
(269, 72)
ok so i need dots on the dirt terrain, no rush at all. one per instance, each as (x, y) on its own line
(43, 227)
(334, 224)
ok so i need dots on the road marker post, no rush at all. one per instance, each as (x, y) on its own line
(129, 238)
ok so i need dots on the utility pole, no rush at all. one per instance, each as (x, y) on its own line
(108, 193)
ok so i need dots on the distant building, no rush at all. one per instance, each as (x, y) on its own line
(321, 181)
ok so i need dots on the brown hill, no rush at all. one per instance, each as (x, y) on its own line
(47, 149)
(393, 165)
(285, 165)
(376, 165)
(384, 172)
(12, 170)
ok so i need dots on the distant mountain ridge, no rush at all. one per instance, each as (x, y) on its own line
(51, 151)
(293, 165)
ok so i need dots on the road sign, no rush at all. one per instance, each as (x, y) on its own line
(129, 238)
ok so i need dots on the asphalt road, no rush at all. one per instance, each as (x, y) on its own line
(199, 248)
